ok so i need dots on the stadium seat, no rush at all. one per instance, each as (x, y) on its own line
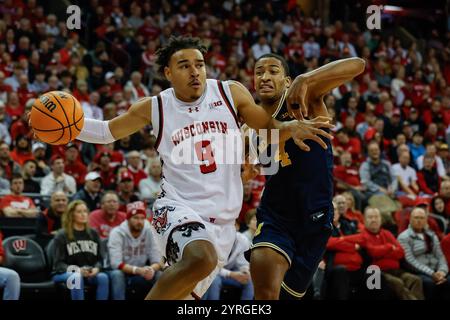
(27, 258)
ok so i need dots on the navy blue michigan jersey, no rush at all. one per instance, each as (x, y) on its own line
(296, 212)
(303, 184)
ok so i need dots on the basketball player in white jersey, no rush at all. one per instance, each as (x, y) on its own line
(194, 216)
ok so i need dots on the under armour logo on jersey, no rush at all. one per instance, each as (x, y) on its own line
(20, 245)
(193, 109)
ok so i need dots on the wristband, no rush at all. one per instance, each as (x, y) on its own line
(134, 270)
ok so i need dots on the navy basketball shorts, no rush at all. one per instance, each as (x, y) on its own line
(301, 242)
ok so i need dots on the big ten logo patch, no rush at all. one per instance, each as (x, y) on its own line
(374, 17)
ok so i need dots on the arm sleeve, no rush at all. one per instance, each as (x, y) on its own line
(411, 259)
(60, 262)
(41, 226)
(101, 250)
(115, 249)
(47, 186)
(96, 131)
(443, 266)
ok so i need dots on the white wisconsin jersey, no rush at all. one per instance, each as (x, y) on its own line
(200, 146)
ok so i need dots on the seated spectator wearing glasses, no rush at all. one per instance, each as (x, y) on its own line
(134, 252)
(423, 254)
(9, 279)
(103, 220)
(15, 205)
(78, 245)
(386, 253)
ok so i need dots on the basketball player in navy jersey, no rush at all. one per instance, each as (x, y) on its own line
(296, 212)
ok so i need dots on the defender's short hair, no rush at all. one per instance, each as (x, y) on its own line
(279, 58)
(175, 44)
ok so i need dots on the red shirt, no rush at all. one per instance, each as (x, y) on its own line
(16, 202)
(349, 175)
(385, 251)
(138, 175)
(15, 112)
(20, 127)
(24, 95)
(445, 245)
(98, 222)
(76, 170)
(20, 158)
(353, 146)
(345, 251)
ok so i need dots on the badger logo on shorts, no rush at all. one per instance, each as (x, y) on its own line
(159, 221)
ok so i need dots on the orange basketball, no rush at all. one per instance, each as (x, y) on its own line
(57, 117)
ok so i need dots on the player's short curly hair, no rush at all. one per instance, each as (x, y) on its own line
(175, 44)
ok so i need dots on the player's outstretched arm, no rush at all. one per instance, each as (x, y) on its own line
(257, 118)
(103, 132)
(313, 85)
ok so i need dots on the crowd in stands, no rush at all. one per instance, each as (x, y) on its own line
(391, 146)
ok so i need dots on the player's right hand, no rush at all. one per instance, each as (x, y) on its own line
(310, 129)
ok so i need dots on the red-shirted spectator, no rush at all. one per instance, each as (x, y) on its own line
(386, 253)
(24, 93)
(445, 246)
(117, 157)
(106, 170)
(108, 217)
(250, 202)
(346, 175)
(126, 189)
(16, 205)
(81, 92)
(20, 126)
(345, 143)
(6, 163)
(73, 165)
(22, 150)
(134, 167)
(13, 108)
(428, 178)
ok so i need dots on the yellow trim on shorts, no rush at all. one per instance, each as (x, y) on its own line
(293, 293)
(273, 246)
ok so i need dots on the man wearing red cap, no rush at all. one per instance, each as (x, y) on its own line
(73, 165)
(126, 189)
(130, 246)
